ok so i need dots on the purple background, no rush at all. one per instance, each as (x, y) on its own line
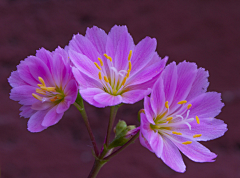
(203, 31)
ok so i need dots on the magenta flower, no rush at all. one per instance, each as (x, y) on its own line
(180, 113)
(45, 86)
(110, 69)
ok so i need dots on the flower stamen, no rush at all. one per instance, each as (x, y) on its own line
(187, 142)
(106, 79)
(97, 66)
(100, 60)
(197, 135)
(197, 119)
(182, 102)
(177, 133)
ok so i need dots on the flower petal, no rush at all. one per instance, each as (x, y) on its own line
(107, 99)
(51, 117)
(84, 64)
(206, 105)
(134, 96)
(88, 95)
(15, 80)
(143, 54)
(35, 121)
(195, 151)
(157, 98)
(26, 111)
(23, 94)
(171, 156)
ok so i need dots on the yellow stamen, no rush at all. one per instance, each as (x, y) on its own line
(189, 106)
(40, 91)
(97, 66)
(42, 81)
(106, 79)
(187, 142)
(124, 80)
(197, 119)
(100, 60)
(128, 73)
(40, 85)
(37, 96)
(177, 133)
(130, 65)
(197, 135)
(100, 75)
(166, 104)
(182, 102)
(169, 118)
(48, 88)
(108, 57)
(54, 99)
(130, 55)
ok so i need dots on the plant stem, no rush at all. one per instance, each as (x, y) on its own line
(113, 113)
(123, 147)
(80, 106)
(96, 168)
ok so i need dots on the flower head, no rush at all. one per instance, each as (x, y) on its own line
(110, 69)
(180, 113)
(45, 86)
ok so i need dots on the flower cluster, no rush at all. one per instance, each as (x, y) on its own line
(109, 69)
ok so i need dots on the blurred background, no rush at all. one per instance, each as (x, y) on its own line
(203, 31)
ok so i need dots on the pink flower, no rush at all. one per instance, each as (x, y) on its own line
(110, 69)
(45, 86)
(180, 113)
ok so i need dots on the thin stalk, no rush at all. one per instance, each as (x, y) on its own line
(123, 147)
(113, 113)
(80, 106)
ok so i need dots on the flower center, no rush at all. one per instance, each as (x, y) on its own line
(52, 94)
(167, 121)
(115, 81)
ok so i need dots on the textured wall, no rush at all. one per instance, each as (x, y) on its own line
(201, 31)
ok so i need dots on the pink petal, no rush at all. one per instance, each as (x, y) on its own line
(133, 96)
(84, 64)
(210, 128)
(88, 95)
(51, 117)
(170, 79)
(200, 84)
(156, 143)
(144, 142)
(23, 94)
(186, 75)
(206, 105)
(35, 121)
(148, 110)
(15, 80)
(84, 81)
(157, 98)
(98, 37)
(108, 99)
(195, 151)
(26, 111)
(142, 54)
(171, 156)
(38, 105)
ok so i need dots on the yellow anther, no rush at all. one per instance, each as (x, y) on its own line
(106, 79)
(48, 88)
(108, 57)
(54, 99)
(130, 55)
(197, 135)
(97, 66)
(40, 91)
(197, 119)
(130, 65)
(40, 85)
(37, 96)
(169, 118)
(128, 73)
(189, 106)
(187, 142)
(124, 80)
(166, 104)
(100, 60)
(182, 102)
(42, 81)
(177, 133)
(100, 75)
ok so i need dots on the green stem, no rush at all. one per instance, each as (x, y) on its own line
(123, 147)
(80, 106)
(113, 113)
